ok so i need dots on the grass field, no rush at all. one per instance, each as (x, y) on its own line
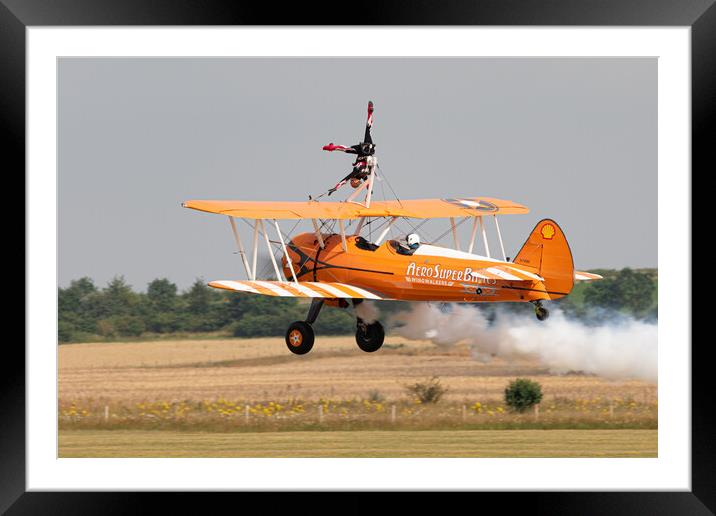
(475, 443)
(251, 397)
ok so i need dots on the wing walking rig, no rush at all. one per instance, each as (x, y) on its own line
(364, 166)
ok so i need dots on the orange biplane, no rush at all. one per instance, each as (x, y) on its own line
(332, 267)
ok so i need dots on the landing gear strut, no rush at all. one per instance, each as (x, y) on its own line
(540, 311)
(300, 335)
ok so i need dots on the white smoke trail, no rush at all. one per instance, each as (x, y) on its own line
(367, 311)
(624, 348)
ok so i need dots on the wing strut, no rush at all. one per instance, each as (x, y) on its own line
(317, 230)
(454, 233)
(472, 235)
(343, 235)
(360, 226)
(484, 237)
(499, 236)
(270, 251)
(256, 249)
(385, 231)
(240, 246)
(285, 251)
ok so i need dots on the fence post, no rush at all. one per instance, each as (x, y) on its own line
(246, 414)
(320, 413)
(464, 413)
(611, 408)
(537, 412)
(106, 413)
(392, 414)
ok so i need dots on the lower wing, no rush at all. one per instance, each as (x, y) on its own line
(300, 289)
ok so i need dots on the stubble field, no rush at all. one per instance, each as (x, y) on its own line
(251, 397)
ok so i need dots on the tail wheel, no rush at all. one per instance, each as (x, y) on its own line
(300, 337)
(541, 313)
(370, 337)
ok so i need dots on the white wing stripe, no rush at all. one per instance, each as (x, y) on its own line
(332, 290)
(528, 274)
(360, 291)
(236, 285)
(502, 274)
(306, 289)
(273, 287)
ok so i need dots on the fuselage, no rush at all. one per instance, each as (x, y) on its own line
(432, 273)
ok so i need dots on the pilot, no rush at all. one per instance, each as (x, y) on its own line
(412, 244)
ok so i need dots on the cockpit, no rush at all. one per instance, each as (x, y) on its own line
(407, 247)
(362, 243)
(401, 248)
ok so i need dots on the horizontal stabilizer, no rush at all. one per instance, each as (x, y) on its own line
(585, 276)
(506, 272)
(293, 289)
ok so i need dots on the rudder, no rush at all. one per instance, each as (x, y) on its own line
(547, 251)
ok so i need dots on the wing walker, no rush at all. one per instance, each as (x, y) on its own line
(347, 257)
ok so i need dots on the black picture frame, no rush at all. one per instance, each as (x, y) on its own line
(700, 15)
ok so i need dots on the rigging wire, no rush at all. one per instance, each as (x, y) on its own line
(415, 229)
(276, 250)
(382, 174)
(449, 230)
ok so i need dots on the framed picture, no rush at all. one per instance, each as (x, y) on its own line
(464, 58)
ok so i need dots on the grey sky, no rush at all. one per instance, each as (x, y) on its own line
(573, 139)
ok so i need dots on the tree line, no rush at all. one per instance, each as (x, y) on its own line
(87, 312)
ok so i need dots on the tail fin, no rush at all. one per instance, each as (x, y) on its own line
(547, 251)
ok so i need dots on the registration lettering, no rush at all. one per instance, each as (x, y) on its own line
(439, 275)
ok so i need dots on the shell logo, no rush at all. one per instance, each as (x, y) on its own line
(548, 231)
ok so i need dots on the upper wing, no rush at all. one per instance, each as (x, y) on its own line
(416, 208)
(300, 289)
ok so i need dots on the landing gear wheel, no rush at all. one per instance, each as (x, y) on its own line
(370, 337)
(300, 337)
(541, 313)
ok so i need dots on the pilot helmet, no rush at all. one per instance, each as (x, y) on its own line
(413, 240)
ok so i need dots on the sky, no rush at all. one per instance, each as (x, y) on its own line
(574, 139)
